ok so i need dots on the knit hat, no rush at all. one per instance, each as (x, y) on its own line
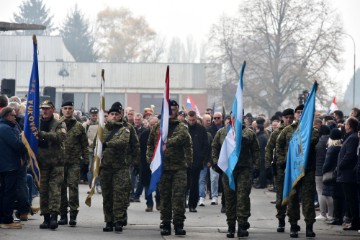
(324, 130)
(116, 107)
(335, 134)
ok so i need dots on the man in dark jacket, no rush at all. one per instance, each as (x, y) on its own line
(346, 164)
(11, 148)
(200, 148)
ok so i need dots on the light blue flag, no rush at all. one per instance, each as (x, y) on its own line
(230, 149)
(299, 145)
(32, 114)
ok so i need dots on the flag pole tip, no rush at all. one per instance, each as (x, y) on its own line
(34, 39)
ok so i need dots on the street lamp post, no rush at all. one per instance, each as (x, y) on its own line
(351, 37)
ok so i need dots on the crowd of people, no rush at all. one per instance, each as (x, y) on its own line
(190, 168)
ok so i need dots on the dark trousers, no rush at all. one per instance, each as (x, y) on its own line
(194, 188)
(352, 203)
(22, 191)
(8, 182)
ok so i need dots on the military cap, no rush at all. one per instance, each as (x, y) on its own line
(68, 103)
(93, 110)
(300, 107)
(288, 111)
(182, 113)
(173, 103)
(47, 104)
(116, 107)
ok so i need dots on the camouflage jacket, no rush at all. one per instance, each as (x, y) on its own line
(270, 147)
(76, 142)
(51, 143)
(282, 145)
(123, 149)
(179, 152)
(249, 153)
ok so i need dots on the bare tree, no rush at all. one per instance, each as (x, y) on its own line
(176, 51)
(190, 52)
(288, 44)
(122, 37)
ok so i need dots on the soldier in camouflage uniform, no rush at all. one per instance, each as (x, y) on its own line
(287, 117)
(120, 150)
(173, 182)
(76, 149)
(306, 184)
(238, 202)
(51, 146)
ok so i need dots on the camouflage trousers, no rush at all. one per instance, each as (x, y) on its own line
(238, 201)
(115, 185)
(71, 181)
(279, 183)
(50, 188)
(307, 187)
(172, 188)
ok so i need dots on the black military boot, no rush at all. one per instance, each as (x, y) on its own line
(73, 216)
(294, 228)
(309, 231)
(63, 219)
(242, 231)
(179, 229)
(53, 221)
(125, 219)
(166, 229)
(109, 227)
(231, 231)
(118, 227)
(281, 226)
(46, 223)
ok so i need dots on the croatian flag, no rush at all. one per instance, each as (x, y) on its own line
(190, 104)
(158, 157)
(333, 106)
(230, 149)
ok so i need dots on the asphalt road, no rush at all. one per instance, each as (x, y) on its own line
(207, 223)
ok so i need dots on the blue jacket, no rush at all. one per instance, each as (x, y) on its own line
(347, 159)
(11, 146)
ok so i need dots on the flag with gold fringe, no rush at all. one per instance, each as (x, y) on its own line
(95, 165)
(299, 147)
(32, 114)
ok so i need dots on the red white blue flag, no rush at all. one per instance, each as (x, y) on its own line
(158, 157)
(190, 104)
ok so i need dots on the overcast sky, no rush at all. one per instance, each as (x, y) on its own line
(193, 17)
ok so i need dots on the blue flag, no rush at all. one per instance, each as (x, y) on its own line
(230, 149)
(299, 146)
(32, 113)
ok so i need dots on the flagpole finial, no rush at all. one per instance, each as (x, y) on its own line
(316, 85)
(34, 39)
(102, 73)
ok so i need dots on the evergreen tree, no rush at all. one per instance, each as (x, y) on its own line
(35, 12)
(77, 36)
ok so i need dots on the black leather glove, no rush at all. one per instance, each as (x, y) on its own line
(136, 171)
(104, 146)
(269, 173)
(274, 168)
(216, 168)
(255, 173)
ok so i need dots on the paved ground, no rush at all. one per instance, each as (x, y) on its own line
(207, 223)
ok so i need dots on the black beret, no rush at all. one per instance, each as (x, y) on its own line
(274, 118)
(300, 107)
(93, 110)
(68, 103)
(173, 103)
(288, 111)
(116, 107)
(335, 134)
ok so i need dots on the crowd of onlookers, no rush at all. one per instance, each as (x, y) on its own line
(337, 156)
